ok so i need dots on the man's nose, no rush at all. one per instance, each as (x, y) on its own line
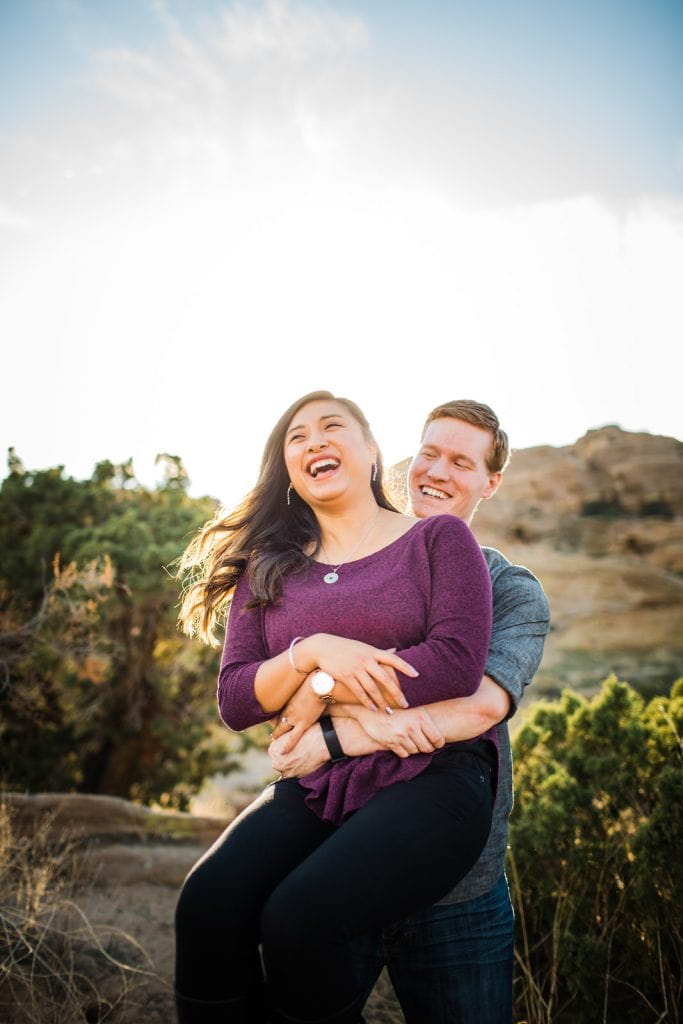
(438, 469)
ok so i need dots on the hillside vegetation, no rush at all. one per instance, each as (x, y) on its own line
(98, 690)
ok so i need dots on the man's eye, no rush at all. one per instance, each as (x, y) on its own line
(461, 465)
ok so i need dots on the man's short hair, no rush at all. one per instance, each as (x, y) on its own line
(481, 416)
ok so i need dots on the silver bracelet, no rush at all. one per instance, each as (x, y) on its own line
(291, 656)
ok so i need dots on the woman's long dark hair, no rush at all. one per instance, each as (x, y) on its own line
(263, 535)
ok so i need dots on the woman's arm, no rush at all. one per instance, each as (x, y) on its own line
(364, 674)
(252, 686)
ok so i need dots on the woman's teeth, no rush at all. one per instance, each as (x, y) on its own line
(321, 466)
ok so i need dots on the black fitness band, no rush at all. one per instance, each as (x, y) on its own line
(331, 739)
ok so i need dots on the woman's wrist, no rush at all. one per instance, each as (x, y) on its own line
(306, 654)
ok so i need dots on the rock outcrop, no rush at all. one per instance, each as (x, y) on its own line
(114, 842)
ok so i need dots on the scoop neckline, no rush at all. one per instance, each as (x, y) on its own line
(373, 554)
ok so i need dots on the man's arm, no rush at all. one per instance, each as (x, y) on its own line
(521, 620)
(461, 718)
(416, 730)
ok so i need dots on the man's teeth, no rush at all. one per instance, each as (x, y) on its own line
(322, 464)
(433, 493)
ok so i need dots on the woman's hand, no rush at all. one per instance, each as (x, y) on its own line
(302, 709)
(308, 754)
(404, 732)
(368, 673)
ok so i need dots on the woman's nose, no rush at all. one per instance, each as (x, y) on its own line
(316, 443)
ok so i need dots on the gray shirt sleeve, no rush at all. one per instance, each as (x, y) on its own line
(521, 620)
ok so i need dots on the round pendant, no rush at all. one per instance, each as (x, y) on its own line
(330, 577)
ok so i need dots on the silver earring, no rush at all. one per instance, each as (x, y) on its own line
(289, 495)
(374, 473)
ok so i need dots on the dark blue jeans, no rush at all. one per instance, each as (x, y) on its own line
(448, 964)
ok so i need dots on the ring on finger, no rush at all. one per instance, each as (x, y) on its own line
(284, 720)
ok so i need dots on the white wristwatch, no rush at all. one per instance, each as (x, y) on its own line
(322, 684)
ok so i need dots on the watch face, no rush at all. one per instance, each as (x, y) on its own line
(322, 683)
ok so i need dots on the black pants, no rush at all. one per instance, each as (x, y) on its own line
(281, 879)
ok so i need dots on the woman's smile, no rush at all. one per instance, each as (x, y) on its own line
(323, 467)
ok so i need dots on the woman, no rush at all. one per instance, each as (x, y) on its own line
(335, 597)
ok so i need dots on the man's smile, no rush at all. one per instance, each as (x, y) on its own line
(432, 492)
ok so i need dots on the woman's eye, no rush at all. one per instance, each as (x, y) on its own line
(328, 425)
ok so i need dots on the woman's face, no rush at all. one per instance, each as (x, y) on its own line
(327, 455)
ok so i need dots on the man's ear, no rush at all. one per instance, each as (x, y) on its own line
(494, 484)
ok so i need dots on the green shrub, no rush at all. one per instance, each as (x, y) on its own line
(98, 690)
(596, 851)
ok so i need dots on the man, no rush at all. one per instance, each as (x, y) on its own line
(452, 964)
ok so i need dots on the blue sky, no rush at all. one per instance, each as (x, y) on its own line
(601, 81)
(209, 208)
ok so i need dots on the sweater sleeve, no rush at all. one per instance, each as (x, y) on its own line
(521, 620)
(452, 658)
(243, 652)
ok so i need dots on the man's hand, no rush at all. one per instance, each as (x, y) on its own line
(308, 754)
(404, 732)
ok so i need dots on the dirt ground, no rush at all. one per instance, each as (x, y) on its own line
(142, 911)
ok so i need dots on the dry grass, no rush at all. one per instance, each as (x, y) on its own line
(55, 967)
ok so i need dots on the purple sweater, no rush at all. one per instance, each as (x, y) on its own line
(428, 594)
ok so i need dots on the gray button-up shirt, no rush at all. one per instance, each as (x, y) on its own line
(521, 620)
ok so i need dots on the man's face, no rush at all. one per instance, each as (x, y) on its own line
(449, 474)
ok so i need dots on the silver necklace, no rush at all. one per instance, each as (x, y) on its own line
(332, 577)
